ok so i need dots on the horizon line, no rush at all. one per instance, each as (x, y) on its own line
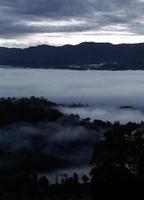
(67, 44)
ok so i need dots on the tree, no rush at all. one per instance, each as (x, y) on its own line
(75, 178)
(121, 151)
(85, 179)
(43, 181)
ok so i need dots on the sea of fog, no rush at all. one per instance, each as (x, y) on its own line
(104, 91)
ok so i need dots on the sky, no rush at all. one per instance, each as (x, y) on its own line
(104, 91)
(57, 22)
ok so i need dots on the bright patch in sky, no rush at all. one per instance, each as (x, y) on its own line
(58, 22)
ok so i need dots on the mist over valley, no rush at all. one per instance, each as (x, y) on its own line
(110, 95)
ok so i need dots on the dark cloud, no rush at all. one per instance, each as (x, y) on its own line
(17, 16)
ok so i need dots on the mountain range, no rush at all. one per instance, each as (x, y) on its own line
(86, 55)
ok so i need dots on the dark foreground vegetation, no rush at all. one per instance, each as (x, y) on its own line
(32, 109)
(117, 160)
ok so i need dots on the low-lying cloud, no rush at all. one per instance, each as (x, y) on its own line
(105, 113)
(45, 147)
(104, 91)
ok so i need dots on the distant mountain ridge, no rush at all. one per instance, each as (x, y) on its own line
(86, 55)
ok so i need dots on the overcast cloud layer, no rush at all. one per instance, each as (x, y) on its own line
(104, 91)
(70, 21)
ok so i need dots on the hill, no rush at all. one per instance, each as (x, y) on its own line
(87, 55)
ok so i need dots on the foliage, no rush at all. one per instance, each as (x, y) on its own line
(27, 110)
(121, 152)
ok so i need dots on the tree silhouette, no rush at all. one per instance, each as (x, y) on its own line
(75, 178)
(85, 179)
(120, 154)
(43, 181)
